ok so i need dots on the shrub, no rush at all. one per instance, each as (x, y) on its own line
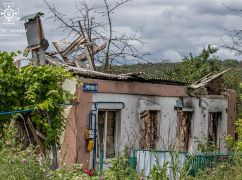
(74, 172)
(159, 172)
(16, 163)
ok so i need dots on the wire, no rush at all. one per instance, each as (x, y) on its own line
(30, 110)
(15, 112)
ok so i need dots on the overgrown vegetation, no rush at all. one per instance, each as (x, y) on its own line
(193, 68)
(37, 89)
(16, 163)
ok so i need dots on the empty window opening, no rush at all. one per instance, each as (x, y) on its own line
(213, 122)
(107, 133)
(149, 129)
(184, 129)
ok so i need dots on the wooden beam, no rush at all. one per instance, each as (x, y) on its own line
(80, 40)
(204, 81)
(89, 56)
(83, 56)
(31, 126)
(57, 47)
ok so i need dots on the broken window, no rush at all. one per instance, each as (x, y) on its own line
(184, 129)
(107, 133)
(214, 118)
(149, 129)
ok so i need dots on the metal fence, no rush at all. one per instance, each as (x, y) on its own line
(144, 160)
(199, 162)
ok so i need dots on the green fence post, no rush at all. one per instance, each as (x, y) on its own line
(132, 164)
(101, 163)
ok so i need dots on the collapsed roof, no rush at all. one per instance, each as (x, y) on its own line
(82, 63)
(211, 84)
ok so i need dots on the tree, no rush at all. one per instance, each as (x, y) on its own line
(235, 43)
(95, 22)
(192, 68)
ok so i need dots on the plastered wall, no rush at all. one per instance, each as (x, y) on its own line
(164, 99)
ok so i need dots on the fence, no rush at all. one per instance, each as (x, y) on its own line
(196, 163)
(144, 160)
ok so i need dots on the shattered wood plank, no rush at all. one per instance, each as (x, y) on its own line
(52, 53)
(83, 56)
(183, 131)
(205, 81)
(26, 52)
(57, 47)
(149, 129)
(89, 55)
(40, 134)
(31, 126)
(80, 40)
(59, 51)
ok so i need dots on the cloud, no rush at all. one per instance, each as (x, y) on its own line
(171, 55)
(171, 29)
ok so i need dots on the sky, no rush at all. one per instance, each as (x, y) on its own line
(171, 29)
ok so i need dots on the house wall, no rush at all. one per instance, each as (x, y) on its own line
(163, 96)
(168, 122)
(202, 107)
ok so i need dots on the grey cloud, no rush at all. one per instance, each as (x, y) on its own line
(171, 28)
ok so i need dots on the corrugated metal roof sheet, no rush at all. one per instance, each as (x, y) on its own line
(116, 77)
(32, 16)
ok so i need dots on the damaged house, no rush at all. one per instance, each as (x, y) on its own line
(112, 112)
(145, 114)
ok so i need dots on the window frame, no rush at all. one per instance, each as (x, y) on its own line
(211, 119)
(116, 132)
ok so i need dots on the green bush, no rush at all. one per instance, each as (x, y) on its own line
(159, 172)
(120, 169)
(75, 172)
(230, 169)
(17, 162)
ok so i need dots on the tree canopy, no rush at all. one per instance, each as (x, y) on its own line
(193, 68)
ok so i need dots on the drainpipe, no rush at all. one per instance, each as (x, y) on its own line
(93, 114)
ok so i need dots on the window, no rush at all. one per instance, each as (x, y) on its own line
(107, 133)
(184, 129)
(149, 129)
(213, 122)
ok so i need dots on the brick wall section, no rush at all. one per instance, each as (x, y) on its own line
(232, 98)
(68, 147)
(83, 109)
(122, 87)
(73, 149)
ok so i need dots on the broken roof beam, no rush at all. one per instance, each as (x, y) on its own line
(59, 50)
(80, 40)
(90, 58)
(72, 47)
(205, 81)
(88, 55)
(83, 56)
